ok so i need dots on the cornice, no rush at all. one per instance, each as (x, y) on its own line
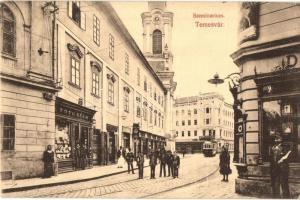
(266, 49)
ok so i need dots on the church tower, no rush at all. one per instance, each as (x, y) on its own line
(157, 48)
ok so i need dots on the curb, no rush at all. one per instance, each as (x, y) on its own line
(18, 189)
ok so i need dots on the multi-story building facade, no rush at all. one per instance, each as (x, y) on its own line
(267, 99)
(86, 85)
(203, 116)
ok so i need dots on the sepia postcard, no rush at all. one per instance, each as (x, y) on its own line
(154, 100)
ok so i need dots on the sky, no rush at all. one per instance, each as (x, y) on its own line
(199, 52)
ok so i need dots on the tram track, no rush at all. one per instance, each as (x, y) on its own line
(184, 185)
(82, 189)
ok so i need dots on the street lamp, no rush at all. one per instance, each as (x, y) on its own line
(234, 82)
(233, 77)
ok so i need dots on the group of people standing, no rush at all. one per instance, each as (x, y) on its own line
(166, 159)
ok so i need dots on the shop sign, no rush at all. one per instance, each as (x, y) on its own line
(126, 129)
(287, 62)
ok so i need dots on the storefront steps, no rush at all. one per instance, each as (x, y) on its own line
(96, 172)
(262, 188)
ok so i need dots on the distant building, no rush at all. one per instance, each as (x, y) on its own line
(204, 116)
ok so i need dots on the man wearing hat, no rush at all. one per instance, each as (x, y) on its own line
(279, 168)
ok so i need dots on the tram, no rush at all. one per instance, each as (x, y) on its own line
(209, 148)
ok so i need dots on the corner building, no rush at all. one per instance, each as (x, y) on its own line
(267, 100)
(204, 116)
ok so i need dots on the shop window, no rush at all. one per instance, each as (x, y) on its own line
(96, 30)
(62, 141)
(157, 42)
(110, 92)
(74, 11)
(8, 132)
(126, 63)
(281, 117)
(111, 47)
(7, 19)
(75, 71)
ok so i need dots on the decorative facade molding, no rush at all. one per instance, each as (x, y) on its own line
(111, 77)
(76, 49)
(96, 65)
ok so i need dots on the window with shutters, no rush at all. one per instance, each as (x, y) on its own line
(8, 31)
(96, 30)
(157, 42)
(76, 14)
(8, 132)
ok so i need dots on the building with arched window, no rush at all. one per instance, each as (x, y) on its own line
(62, 85)
(157, 42)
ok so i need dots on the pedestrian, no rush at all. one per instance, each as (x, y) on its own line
(176, 164)
(279, 168)
(152, 163)
(140, 164)
(183, 151)
(163, 160)
(129, 159)
(169, 160)
(48, 159)
(120, 158)
(225, 163)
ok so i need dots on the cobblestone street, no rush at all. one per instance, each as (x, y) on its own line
(196, 176)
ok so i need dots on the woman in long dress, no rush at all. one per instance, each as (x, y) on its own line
(48, 159)
(225, 163)
(121, 160)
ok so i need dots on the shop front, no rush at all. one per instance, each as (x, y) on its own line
(73, 138)
(111, 137)
(126, 137)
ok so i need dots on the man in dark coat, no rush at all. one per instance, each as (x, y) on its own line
(225, 163)
(152, 163)
(48, 159)
(140, 164)
(279, 168)
(176, 164)
(129, 159)
(169, 161)
(163, 160)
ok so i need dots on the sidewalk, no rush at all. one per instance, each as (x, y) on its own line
(65, 178)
